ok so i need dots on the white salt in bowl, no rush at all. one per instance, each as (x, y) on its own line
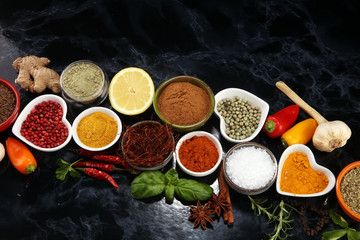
(254, 100)
(304, 149)
(26, 111)
(88, 112)
(199, 134)
(250, 168)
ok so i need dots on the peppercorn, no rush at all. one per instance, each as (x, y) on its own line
(241, 118)
(43, 126)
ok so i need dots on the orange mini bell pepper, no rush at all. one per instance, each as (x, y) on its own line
(20, 156)
(301, 133)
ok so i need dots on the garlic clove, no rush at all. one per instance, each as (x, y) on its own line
(331, 135)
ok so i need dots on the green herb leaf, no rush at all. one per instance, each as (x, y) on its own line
(352, 234)
(74, 173)
(191, 190)
(171, 177)
(148, 184)
(65, 168)
(62, 163)
(339, 220)
(333, 235)
(61, 173)
(169, 193)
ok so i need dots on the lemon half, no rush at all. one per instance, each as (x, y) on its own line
(131, 91)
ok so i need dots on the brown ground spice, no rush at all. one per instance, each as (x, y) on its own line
(183, 103)
(7, 103)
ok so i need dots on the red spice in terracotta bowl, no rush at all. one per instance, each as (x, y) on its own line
(9, 104)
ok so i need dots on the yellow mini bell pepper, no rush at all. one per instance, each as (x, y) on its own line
(301, 133)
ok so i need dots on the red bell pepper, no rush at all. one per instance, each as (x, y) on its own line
(276, 124)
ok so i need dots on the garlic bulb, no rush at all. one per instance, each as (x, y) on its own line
(331, 135)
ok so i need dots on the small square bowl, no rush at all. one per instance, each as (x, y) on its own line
(5, 125)
(199, 134)
(88, 112)
(341, 201)
(195, 81)
(244, 95)
(144, 167)
(304, 149)
(250, 174)
(26, 111)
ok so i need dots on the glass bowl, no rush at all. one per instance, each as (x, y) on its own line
(249, 174)
(26, 111)
(76, 71)
(304, 149)
(244, 95)
(144, 166)
(88, 112)
(341, 201)
(199, 134)
(7, 123)
(195, 81)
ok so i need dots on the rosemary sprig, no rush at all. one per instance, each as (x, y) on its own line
(280, 216)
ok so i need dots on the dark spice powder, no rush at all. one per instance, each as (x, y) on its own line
(7, 103)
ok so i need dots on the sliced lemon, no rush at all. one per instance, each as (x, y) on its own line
(131, 91)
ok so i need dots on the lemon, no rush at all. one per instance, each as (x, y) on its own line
(131, 91)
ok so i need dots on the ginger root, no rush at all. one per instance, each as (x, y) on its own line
(34, 76)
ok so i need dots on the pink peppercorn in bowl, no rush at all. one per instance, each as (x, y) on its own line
(190, 136)
(54, 129)
(11, 119)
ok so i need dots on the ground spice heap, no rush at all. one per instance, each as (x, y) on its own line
(350, 190)
(298, 177)
(97, 130)
(198, 154)
(183, 103)
(7, 103)
(250, 167)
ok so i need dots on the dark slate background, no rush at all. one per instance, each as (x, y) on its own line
(313, 46)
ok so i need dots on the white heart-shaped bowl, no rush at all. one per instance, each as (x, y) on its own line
(88, 112)
(254, 100)
(25, 112)
(199, 134)
(304, 149)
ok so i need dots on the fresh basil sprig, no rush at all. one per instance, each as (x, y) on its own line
(351, 233)
(153, 183)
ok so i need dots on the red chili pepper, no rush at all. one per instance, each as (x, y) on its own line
(112, 159)
(102, 166)
(276, 124)
(95, 173)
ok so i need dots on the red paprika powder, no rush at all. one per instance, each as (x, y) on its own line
(198, 154)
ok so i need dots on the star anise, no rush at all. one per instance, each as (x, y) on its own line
(201, 214)
(218, 203)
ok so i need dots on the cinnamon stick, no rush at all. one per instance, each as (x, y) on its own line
(224, 189)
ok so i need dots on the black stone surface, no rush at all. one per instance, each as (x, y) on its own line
(313, 46)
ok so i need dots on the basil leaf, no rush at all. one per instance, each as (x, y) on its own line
(171, 177)
(191, 190)
(169, 193)
(352, 234)
(333, 235)
(148, 184)
(339, 220)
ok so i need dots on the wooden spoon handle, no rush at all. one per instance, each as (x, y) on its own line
(297, 100)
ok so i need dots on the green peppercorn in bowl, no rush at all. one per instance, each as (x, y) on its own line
(241, 113)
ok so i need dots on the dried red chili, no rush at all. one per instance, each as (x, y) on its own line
(95, 173)
(108, 167)
(147, 144)
(112, 159)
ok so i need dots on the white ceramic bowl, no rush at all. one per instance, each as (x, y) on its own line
(199, 134)
(304, 149)
(88, 112)
(255, 101)
(25, 112)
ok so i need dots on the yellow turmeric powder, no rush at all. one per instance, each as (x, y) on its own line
(298, 177)
(97, 130)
